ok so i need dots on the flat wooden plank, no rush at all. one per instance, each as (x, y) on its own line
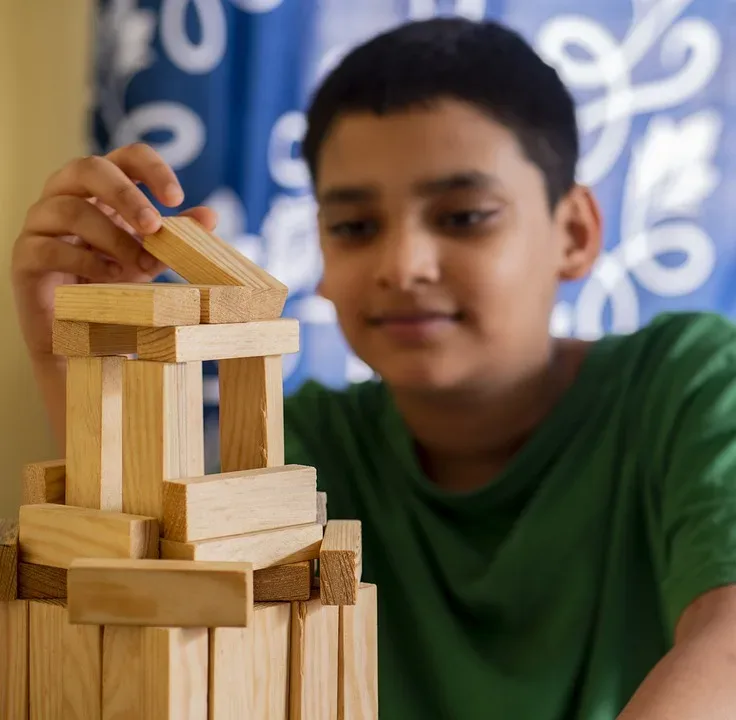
(56, 535)
(219, 342)
(322, 508)
(8, 559)
(14, 659)
(262, 549)
(154, 673)
(357, 689)
(41, 582)
(237, 304)
(161, 593)
(139, 304)
(284, 583)
(340, 562)
(314, 667)
(252, 432)
(83, 339)
(94, 422)
(249, 667)
(223, 504)
(163, 431)
(44, 482)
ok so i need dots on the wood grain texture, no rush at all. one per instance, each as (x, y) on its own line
(161, 593)
(94, 417)
(284, 583)
(83, 339)
(14, 659)
(163, 431)
(251, 413)
(237, 304)
(340, 562)
(44, 482)
(8, 559)
(262, 549)
(219, 342)
(236, 503)
(56, 535)
(322, 508)
(41, 582)
(249, 667)
(138, 304)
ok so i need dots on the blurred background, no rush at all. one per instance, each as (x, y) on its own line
(219, 88)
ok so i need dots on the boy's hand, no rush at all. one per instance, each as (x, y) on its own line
(86, 227)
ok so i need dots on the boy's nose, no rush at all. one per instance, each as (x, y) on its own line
(407, 258)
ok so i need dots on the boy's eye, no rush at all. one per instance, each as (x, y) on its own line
(354, 229)
(464, 219)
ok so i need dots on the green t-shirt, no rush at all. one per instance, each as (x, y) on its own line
(550, 593)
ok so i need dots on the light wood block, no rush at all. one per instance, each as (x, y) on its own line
(14, 659)
(94, 417)
(163, 431)
(154, 673)
(262, 549)
(41, 582)
(161, 593)
(65, 665)
(235, 304)
(251, 413)
(322, 508)
(8, 560)
(139, 304)
(83, 339)
(246, 501)
(56, 535)
(249, 667)
(44, 482)
(340, 562)
(284, 583)
(357, 677)
(219, 342)
(314, 649)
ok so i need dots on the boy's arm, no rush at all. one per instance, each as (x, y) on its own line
(49, 372)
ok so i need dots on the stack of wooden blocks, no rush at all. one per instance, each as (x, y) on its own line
(135, 586)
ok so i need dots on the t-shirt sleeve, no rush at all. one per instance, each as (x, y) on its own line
(690, 421)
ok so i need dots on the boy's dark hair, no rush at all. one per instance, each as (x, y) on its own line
(482, 63)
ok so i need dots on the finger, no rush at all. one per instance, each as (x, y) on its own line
(205, 216)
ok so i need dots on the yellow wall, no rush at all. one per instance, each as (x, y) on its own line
(44, 72)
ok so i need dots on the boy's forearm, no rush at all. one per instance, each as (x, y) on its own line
(50, 374)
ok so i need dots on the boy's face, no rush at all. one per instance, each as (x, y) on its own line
(441, 255)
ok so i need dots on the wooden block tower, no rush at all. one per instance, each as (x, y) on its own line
(133, 586)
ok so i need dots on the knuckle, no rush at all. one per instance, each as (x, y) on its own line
(70, 211)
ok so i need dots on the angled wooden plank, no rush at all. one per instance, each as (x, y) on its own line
(151, 593)
(340, 562)
(284, 583)
(56, 535)
(140, 304)
(83, 339)
(8, 559)
(94, 419)
(222, 504)
(14, 659)
(41, 582)
(237, 304)
(219, 342)
(44, 482)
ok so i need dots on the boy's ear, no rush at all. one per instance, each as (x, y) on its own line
(580, 221)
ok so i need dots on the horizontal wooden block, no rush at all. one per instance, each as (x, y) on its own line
(84, 339)
(41, 582)
(8, 560)
(223, 304)
(14, 660)
(261, 549)
(44, 482)
(56, 535)
(284, 583)
(219, 342)
(340, 562)
(161, 593)
(139, 304)
(239, 502)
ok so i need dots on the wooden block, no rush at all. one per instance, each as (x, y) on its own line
(163, 431)
(322, 508)
(161, 593)
(251, 413)
(218, 505)
(261, 549)
(314, 649)
(154, 673)
(94, 420)
(284, 583)
(14, 659)
(44, 482)
(56, 535)
(8, 560)
(41, 582)
(237, 304)
(219, 342)
(340, 562)
(139, 304)
(249, 667)
(83, 339)
(65, 665)
(357, 676)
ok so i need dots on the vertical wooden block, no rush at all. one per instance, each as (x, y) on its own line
(251, 413)
(163, 431)
(322, 508)
(314, 667)
(249, 667)
(341, 562)
(44, 482)
(14, 659)
(8, 560)
(154, 673)
(94, 432)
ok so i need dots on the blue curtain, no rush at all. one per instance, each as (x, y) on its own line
(219, 88)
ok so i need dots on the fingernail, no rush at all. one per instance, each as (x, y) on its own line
(114, 270)
(174, 193)
(146, 261)
(149, 219)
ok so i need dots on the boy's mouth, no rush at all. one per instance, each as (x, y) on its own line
(414, 325)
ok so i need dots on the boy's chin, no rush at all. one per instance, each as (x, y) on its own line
(418, 377)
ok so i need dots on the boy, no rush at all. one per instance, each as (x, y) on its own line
(551, 524)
